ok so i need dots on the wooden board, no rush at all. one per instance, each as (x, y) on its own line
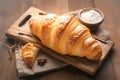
(20, 31)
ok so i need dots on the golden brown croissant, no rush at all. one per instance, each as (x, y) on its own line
(29, 53)
(65, 35)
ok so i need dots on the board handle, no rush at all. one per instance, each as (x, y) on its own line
(24, 20)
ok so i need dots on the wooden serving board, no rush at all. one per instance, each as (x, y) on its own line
(20, 31)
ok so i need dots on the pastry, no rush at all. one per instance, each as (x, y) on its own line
(29, 52)
(65, 35)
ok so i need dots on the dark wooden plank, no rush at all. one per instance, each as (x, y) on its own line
(8, 16)
(111, 9)
(9, 13)
(79, 4)
(56, 6)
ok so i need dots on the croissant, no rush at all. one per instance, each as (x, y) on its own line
(65, 35)
(29, 53)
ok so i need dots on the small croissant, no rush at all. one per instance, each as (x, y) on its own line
(29, 52)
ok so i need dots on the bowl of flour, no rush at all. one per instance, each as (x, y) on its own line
(91, 17)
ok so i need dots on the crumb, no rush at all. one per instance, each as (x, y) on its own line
(41, 61)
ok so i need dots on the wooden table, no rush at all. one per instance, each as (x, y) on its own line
(11, 10)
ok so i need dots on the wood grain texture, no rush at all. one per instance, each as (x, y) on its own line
(79, 4)
(11, 10)
(111, 25)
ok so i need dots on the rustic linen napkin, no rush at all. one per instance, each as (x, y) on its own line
(23, 70)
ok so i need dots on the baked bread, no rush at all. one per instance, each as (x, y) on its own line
(29, 53)
(65, 35)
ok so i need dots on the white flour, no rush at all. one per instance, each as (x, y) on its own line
(91, 16)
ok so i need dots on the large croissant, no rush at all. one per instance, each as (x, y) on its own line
(65, 35)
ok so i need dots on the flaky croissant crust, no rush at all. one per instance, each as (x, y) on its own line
(29, 52)
(65, 35)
